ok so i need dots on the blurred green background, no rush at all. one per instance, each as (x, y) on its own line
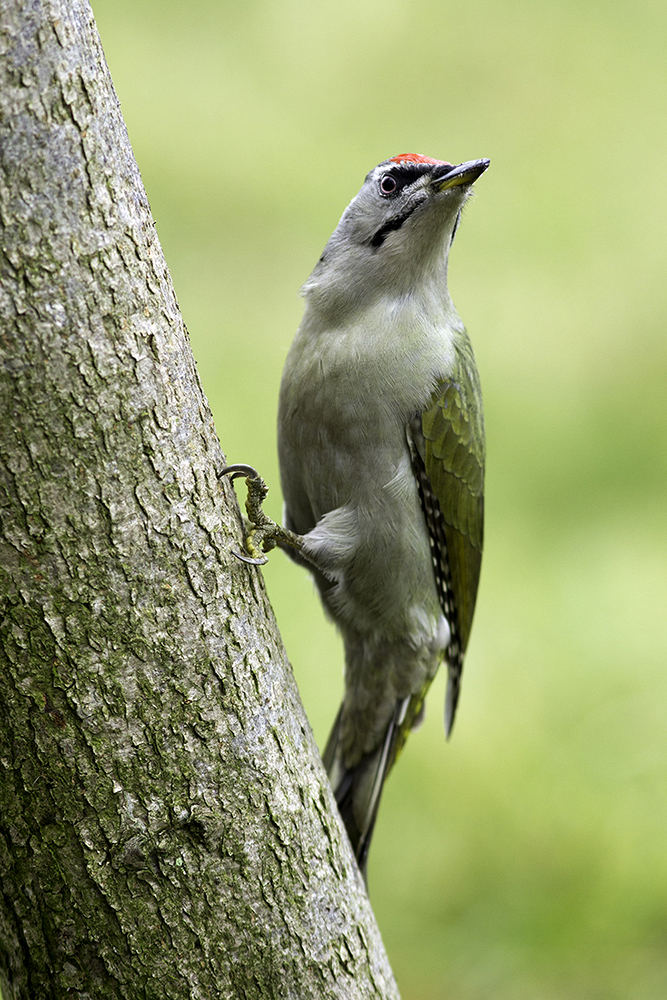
(527, 857)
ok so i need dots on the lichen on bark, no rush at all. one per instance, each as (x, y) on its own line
(166, 827)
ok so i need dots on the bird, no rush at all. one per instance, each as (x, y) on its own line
(381, 452)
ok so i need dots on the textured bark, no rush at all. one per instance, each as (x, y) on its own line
(166, 827)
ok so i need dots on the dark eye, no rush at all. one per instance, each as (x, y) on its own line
(388, 184)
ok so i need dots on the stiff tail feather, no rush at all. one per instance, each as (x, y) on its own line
(358, 789)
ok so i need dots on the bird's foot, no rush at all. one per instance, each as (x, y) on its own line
(264, 534)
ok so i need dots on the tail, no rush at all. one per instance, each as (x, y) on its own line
(358, 789)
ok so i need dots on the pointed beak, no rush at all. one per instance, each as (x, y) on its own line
(445, 177)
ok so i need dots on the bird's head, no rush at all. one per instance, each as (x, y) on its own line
(396, 232)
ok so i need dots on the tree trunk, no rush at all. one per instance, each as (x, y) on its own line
(166, 826)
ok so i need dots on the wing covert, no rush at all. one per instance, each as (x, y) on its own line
(448, 458)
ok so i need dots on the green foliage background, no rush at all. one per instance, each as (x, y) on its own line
(527, 856)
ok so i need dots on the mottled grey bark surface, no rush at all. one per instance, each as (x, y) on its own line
(166, 828)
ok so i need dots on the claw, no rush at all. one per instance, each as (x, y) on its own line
(239, 470)
(249, 559)
(255, 512)
(264, 534)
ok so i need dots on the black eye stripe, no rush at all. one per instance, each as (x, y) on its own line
(406, 173)
(402, 175)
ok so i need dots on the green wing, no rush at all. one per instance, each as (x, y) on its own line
(448, 454)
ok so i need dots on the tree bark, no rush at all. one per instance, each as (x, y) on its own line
(166, 826)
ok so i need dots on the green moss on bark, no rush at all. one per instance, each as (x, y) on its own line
(166, 829)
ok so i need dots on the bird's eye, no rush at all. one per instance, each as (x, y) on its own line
(388, 184)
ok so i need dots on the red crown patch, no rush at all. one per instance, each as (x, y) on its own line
(416, 158)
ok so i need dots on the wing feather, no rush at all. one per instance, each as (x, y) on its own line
(447, 443)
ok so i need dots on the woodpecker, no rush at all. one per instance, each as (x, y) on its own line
(381, 447)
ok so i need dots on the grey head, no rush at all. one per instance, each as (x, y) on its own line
(395, 233)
